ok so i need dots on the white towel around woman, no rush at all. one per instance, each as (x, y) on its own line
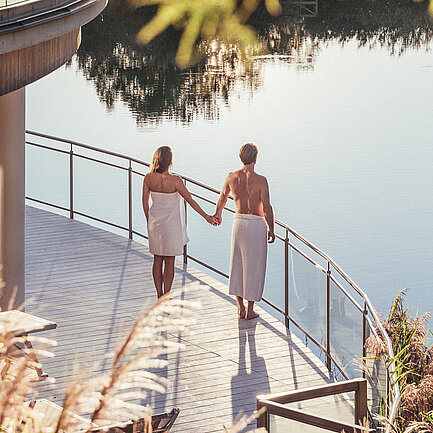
(166, 224)
(248, 256)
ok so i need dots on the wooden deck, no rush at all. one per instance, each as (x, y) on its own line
(93, 283)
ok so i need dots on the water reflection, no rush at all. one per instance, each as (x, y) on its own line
(292, 44)
(146, 80)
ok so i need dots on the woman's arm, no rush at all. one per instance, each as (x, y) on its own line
(222, 199)
(183, 191)
(145, 198)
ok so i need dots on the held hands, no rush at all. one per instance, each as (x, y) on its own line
(271, 237)
(212, 220)
(218, 219)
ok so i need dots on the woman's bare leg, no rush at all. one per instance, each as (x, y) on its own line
(241, 307)
(168, 273)
(157, 274)
(251, 314)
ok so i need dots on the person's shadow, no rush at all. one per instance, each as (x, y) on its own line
(245, 386)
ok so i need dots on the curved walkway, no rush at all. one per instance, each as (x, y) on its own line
(93, 283)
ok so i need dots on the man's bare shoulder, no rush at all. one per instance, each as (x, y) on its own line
(262, 179)
(232, 175)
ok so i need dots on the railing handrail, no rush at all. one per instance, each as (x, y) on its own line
(358, 290)
(276, 404)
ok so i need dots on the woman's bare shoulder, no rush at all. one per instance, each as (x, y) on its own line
(175, 177)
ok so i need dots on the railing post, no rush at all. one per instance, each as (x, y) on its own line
(71, 183)
(388, 390)
(185, 248)
(364, 338)
(263, 418)
(328, 317)
(286, 279)
(361, 403)
(130, 200)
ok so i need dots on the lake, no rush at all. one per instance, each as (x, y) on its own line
(342, 118)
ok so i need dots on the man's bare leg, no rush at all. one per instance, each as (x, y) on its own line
(241, 307)
(168, 273)
(157, 274)
(251, 314)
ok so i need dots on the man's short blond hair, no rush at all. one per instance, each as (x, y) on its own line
(248, 153)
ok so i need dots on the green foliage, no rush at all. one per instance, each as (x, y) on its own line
(413, 362)
(223, 20)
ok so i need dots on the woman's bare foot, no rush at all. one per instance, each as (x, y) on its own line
(251, 315)
(241, 314)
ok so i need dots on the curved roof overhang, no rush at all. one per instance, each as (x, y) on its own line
(36, 37)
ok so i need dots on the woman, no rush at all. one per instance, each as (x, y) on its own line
(166, 217)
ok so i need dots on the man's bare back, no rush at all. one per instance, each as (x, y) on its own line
(250, 192)
(246, 188)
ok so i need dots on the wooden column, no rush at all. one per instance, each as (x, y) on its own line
(12, 192)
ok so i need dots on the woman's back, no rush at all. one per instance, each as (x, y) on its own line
(161, 182)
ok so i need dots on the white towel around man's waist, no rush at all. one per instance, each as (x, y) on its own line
(166, 225)
(248, 256)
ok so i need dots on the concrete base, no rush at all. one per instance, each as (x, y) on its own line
(12, 193)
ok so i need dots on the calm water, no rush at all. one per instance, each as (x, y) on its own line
(344, 131)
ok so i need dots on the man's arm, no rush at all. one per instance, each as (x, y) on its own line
(145, 198)
(267, 210)
(222, 200)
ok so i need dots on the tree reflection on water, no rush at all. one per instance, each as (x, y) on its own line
(153, 88)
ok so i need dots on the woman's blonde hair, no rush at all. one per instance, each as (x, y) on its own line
(248, 153)
(162, 159)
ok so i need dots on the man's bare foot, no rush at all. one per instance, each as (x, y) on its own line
(241, 314)
(251, 315)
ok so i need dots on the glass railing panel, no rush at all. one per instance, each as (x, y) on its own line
(47, 176)
(345, 332)
(275, 278)
(101, 191)
(277, 424)
(339, 407)
(307, 296)
(377, 387)
(138, 218)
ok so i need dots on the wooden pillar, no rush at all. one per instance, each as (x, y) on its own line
(12, 196)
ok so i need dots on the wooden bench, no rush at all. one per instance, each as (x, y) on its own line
(20, 324)
(49, 413)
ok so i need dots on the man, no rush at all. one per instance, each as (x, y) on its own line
(253, 223)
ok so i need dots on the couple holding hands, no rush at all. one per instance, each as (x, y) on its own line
(253, 224)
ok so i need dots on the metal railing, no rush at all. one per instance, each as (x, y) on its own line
(338, 292)
(276, 405)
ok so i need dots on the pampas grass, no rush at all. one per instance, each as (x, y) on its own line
(110, 397)
(414, 366)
